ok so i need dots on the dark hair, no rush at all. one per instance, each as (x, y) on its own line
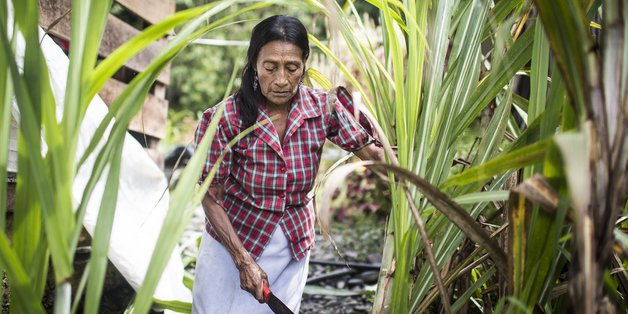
(277, 27)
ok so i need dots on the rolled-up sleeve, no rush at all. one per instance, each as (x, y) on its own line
(344, 129)
(218, 147)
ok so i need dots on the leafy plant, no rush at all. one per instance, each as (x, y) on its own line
(444, 63)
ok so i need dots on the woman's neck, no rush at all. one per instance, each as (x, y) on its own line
(274, 109)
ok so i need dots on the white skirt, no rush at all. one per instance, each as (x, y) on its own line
(217, 280)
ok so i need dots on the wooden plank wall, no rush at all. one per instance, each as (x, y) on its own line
(151, 121)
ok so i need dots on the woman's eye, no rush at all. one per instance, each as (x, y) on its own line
(269, 69)
(292, 70)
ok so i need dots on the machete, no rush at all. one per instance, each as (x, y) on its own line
(274, 303)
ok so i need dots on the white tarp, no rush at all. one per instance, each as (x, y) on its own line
(140, 208)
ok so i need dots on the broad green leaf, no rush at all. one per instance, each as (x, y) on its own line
(574, 147)
(88, 22)
(175, 306)
(513, 160)
(514, 59)
(319, 78)
(477, 197)
(31, 89)
(21, 288)
(102, 232)
(566, 27)
(181, 208)
(494, 134)
(538, 72)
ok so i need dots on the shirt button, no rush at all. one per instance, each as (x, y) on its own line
(282, 195)
(282, 169)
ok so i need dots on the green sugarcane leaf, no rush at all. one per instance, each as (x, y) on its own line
(527, 155)
(28, 89)
(183, 201)
(88, 22)
(566, 28)
(186, 196)
(490, 196)
(6, 94)
(22, 289)
(538, 73)
(464, 298)
(438, 40)
(102, 232)
(514, 59)
(319, 78)
(465, 73)
(538, 90)
(494, 134)
(175, 306)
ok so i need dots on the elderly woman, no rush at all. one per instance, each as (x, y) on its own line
(260, 219)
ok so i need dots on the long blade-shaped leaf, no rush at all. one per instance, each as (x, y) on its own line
(464, 298)
(29, 101)
(21, 287)
(102, 233)
(513, 160)
(566, 28)
(88, 24)
(538, 72)
(516, 57)
(6, 94)
(453, 211)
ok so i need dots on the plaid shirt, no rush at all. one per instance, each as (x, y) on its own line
(267, 183)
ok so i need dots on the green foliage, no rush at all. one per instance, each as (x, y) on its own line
(198, 89)
(444, 67)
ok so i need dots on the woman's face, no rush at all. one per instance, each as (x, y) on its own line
(279, 69)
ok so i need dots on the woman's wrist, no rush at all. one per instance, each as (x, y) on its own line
(242, 260)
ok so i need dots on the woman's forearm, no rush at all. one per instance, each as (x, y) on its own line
(252, 277)
(224, 229)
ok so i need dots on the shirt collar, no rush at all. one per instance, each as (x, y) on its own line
(303, 106)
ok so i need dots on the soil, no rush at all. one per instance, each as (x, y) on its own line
(362, 243)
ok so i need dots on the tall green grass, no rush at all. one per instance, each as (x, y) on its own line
(445, 63)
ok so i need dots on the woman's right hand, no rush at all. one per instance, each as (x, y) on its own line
(252, 279)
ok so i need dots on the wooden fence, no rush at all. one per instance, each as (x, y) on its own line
(149, 126)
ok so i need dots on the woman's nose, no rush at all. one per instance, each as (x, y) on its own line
(282, 78)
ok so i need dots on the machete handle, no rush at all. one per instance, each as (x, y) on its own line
(266, 291)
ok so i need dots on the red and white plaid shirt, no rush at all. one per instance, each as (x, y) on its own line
(266, 183)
